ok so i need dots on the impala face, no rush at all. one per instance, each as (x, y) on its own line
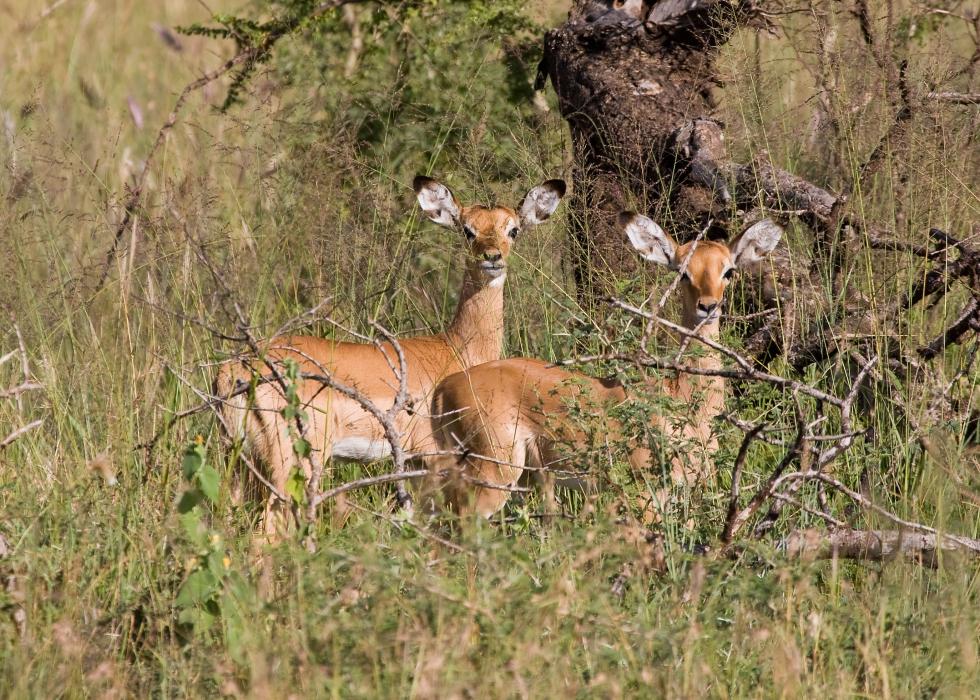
(709, 268)
(703, 283)
(490, 232)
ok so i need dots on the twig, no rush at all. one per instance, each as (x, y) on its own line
(425, 532)
(245, 57)
(19, 433)
(370, 481)
(735, 521)
(747, 370)
(733, 497)
(825, 457)
(676, 280)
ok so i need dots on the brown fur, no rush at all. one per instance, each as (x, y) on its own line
(475, 335)
(515, 412)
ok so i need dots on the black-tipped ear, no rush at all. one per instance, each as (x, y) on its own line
(541, 201)
(421, 181)
(624, 218)
(557, 185)
(437, 202)
(755, 243)
(650, 241)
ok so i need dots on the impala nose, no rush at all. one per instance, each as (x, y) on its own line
(708, 308)
(492, 256)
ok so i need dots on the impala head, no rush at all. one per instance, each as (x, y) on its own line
(490, 232)
(711, 266)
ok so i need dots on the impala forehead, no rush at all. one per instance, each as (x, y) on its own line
(485, 221)
(708, 263)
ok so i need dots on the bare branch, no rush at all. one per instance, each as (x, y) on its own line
(20, 432)
(957, 98)
(874, 545)
(245, 57)
(743, 451)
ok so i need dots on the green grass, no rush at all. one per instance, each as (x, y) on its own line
(89, 589)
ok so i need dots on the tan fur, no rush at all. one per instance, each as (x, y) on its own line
(475, 335)
(516, 412)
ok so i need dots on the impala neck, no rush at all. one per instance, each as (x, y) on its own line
(477, 329)
(708, 391)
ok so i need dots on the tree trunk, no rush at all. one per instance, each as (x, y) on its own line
(634, 81)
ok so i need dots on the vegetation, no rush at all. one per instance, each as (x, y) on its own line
(125, 568)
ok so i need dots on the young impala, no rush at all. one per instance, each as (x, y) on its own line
(340, 427)
(508, 414)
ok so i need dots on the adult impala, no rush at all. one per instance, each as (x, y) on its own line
(339, 426)
(507, 414)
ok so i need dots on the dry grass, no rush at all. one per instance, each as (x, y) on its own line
(292, 214)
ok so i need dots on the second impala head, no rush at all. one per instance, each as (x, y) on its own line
(709, 268)
(490, 232)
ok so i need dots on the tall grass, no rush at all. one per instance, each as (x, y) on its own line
(288, 206)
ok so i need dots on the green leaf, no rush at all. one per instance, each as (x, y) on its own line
(207, 479)
(193, 459)
(200, 619)
(216, 564)
(189, 500)
(194, 528)
(198, 588)
(301, 446)
(296, 486)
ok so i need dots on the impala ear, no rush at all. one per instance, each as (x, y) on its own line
(755, 243)
(437, 202)
(650, 241)
(541, 201)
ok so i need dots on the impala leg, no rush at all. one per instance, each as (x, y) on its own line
(504, 471)
(545, 481)
(277, 517)
(546, 485)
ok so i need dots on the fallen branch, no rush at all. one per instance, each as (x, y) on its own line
(967, 321)
(958, 98)
(875, 545)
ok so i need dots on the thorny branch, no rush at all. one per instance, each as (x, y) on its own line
(781, 486)
(17, 391)
(243, 60)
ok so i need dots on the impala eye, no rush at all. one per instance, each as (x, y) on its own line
(729, 273)
(513, 232)
(470, 233)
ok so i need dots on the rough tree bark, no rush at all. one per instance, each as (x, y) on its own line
(634, 81)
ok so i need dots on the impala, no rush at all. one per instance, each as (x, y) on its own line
(339, 426)
(505, 415)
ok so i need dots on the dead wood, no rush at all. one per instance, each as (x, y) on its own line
(876, 545)
(627, 77)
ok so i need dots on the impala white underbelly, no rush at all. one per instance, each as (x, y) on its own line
(360, 449)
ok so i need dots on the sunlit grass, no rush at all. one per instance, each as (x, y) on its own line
(87, 591)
